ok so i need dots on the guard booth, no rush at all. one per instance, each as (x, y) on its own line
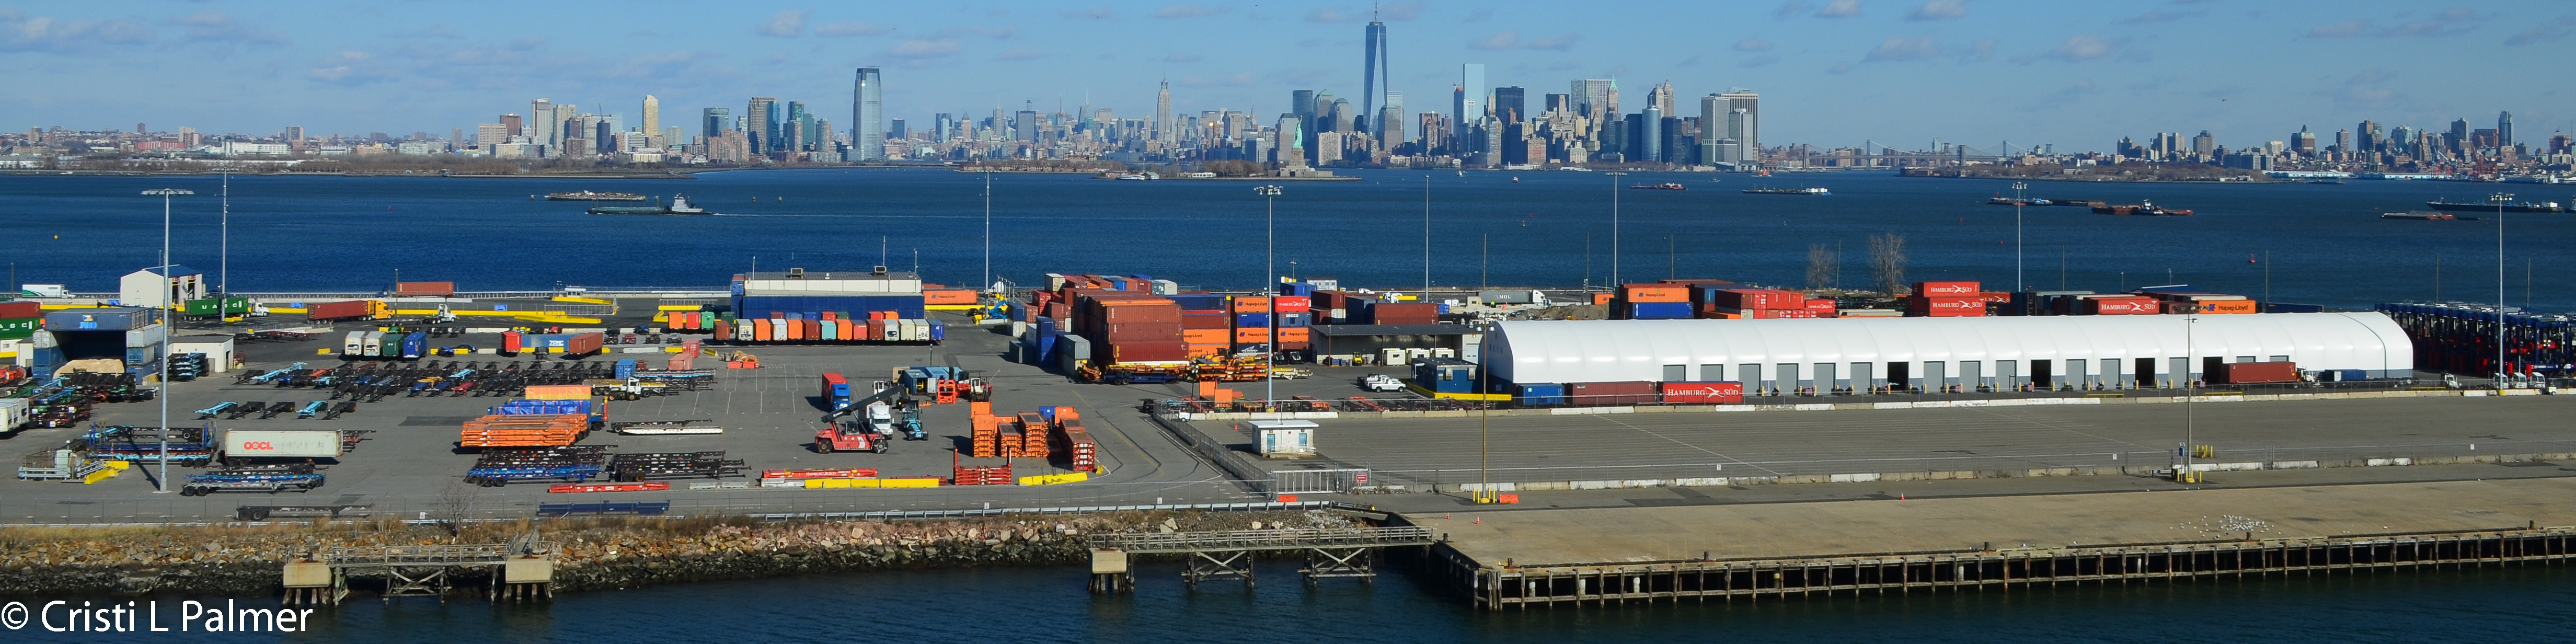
(1285, 438)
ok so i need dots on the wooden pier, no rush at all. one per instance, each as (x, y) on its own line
(1228, 554)
(1755, 552)
(519, 571)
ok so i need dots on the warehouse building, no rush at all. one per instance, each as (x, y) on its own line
(148, 288)
(1943, 354)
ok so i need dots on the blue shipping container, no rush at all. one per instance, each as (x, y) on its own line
(1299, 319)
(1199, 301)
(938, 330)
(626, 368)
(1251, 320)
(1297, 289)
(1659, 310)
(1543, 394)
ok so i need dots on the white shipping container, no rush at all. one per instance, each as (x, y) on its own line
(13, 413)
(241, 443)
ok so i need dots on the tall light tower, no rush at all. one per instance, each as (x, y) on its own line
(1614, 227)
(2018, 200)
(2499, 198)
(161, 482)
(988, 227)
(1269, 282)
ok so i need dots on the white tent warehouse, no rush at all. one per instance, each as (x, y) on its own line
(1966, 353)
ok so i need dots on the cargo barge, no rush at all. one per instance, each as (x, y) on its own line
(1788, 191)
(2518, 206)
(2142, 209)
(587, 195)
(2425, 216)
(679, 206)
(1658, 186)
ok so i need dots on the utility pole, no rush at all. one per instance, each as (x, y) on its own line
(2017, 237)
(161, 482)
(2500, 199)
(988, 227)
(1270, 280)
(1426, 238)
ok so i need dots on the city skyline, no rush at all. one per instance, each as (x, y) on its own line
(1839, 63)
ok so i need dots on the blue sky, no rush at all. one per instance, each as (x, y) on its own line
(1832, 72)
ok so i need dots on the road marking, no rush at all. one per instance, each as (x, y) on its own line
(1677, 441)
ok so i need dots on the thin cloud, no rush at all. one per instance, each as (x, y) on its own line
(21, 32)
(1753, 44)
(1190, 11)
(854, 28)
(1902, 49)
(1479, 15)
(1094, 13)
(2153, 16)
(1005, 33)
(924, 49)
(1839, 9)
(1333, 14)
(1513, 40)
(351, 68)
(1938, 10)
(215, 26)
(1983, 51)
(1019, 53)
(787, 24)
(2447, 23)
(2543, 33)
(2082, 47)
(1792, 9)
(1758, 61)
(2345, 29)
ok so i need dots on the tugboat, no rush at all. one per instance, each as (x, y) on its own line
(679, 206)
(586, 195)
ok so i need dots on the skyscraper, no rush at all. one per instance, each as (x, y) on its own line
(1373, 73)
(542, 122)
(1649, 134)
(1740, 123)
(1597, 98)
(652, 115)
(1469, 103)
(2504, 130)
(942, 126)
(1716, 122)
(867, 116)
(717, 121)
(760, 124)
(1388, 124)
(1164, 129)
(1750, 137)
(1508, 106)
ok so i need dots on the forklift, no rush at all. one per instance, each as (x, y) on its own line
(887, 410)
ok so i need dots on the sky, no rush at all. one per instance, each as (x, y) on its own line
(2077, 75)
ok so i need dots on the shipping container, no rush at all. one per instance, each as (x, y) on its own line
(1207, 336)
(1251, 304)
(1703, 393)
(103, 319)
(1613, 393)
(2118, 306)
(349, 310)
(1542, 394)
(1076, 346)
(1295, 335)
(1251, 320)
(250, 443)
(1659, 310)
(1199, 301)
(19, 328)
(1654, 293)
(1404, 313)
(1206, 320)
(1821, 307)
(21, 310)
(2246, 373)
(1296, 319)
(948, 296)
(425, 289)
(1946, 289)
(582, 344)
(375, 345)
(1946, 307)
(1292, 304)
(556, 392)
(2212, 307)
(1169, 351)
(1507, 297)
(1755, 298)
(1252, 335)
(906, 305)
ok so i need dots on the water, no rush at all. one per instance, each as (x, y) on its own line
(2325, 242)
(1050, 605)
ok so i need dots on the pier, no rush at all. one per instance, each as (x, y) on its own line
(1517, 559)
(520, 571)
(1228, 554)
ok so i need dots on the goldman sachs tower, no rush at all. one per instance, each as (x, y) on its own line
(1373, 86)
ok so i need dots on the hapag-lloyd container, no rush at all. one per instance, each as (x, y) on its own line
(1654, 292)
(1945, 289)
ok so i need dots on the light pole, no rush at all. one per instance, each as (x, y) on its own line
(224, 269)
(1614, 226)
(1269, 279)
(2018, 200)
(988, 227)
(2500, 198)
(2190, 421)
(161, 482)
(1426, 238)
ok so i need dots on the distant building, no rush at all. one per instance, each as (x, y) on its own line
(147, 287)
(1509, 106)
(759, 124)
(1469, 102)
(867, 111)
(1748, 135)
(717, 121)
(652, 114)
(1373, 75)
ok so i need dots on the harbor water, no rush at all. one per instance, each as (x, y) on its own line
(2326, 243)
(1051, 605)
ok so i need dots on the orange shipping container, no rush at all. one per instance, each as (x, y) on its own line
(2214, 307)
(948, 296)
(557, 392)
(1655, 293)
(1601, 299)
(1251, 336)
(1296, 334)
(1208, 350)
(1247, 304)
(1205, 336)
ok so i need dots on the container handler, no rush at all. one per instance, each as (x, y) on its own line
(878, 429)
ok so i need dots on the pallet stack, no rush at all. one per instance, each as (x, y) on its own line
(1079, 447)
(1031, 439)
(986, 439)
(523, 430)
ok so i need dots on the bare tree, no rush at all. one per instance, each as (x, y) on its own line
(1887, 262)
(1821, 260)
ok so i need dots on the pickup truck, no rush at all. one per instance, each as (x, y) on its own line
(1381, 382)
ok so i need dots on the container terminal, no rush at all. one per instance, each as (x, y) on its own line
(1494, 433)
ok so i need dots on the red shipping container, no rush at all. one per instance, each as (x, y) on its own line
(339, 310)
(1405, 313)
(1207, 320)
(813, 330)
(1755, 298)
(21, 310)
(876, 329)
(1945, 289)
(1703, 393)
(1613, 393)
(1293, 303)
(724, 329)
(1820, 307)
(1165, 351)
(1947, 307)
(1992, 297)
(425, 289)
(510, 339)
(583, 344)
(1137, 311)
(2242, 373)
(1139, 332)
(2119, 306)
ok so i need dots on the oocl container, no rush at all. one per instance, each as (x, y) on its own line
(247, 443)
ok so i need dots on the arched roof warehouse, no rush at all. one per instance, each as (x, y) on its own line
(1631, 350)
